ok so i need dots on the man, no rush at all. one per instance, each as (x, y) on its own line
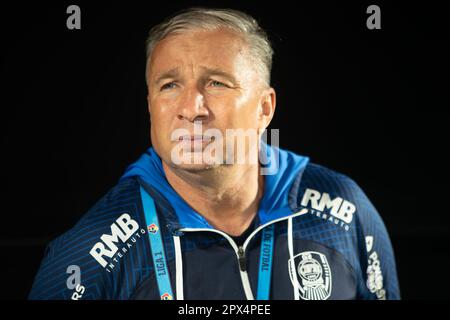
(196, 217)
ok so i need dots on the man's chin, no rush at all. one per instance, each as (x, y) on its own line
(195, 168)
(195, 162)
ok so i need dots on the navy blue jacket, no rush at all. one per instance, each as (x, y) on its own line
(340, 248)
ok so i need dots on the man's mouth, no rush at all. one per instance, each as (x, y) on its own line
(193, 143)
(194, 138)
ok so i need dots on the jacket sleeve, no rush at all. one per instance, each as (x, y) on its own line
(96, 259)
(376, 254)
(67, 273)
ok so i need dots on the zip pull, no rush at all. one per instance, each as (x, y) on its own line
(242, 261)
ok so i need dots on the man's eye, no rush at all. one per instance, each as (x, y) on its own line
(216, 83)
(169, 85)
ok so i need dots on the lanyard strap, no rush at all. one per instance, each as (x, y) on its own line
(156, 244)
(265, 262)
(159, 257)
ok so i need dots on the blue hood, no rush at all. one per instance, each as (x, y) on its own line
(277, 186)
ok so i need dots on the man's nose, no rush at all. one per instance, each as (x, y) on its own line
(192, 105)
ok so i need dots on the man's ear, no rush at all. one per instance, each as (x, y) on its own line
(267, 107)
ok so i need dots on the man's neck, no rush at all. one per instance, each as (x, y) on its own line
(228, 197)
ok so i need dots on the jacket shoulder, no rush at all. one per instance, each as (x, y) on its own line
(322, 188)
(341, 216)
(81, 255)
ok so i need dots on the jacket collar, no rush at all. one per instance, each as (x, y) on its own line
(284, 170)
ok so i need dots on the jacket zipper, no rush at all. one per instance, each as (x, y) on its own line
(241, 258)
(240, 250)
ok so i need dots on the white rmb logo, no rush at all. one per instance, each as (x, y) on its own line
(122, 229)
(340, 208)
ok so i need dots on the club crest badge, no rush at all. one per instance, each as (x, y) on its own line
(313, 275)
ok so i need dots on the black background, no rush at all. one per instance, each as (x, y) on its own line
(363, 102)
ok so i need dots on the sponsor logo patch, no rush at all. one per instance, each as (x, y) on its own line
(338, 210)
(112, 247)
(374, 275)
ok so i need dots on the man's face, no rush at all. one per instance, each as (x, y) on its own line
(205, 77)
